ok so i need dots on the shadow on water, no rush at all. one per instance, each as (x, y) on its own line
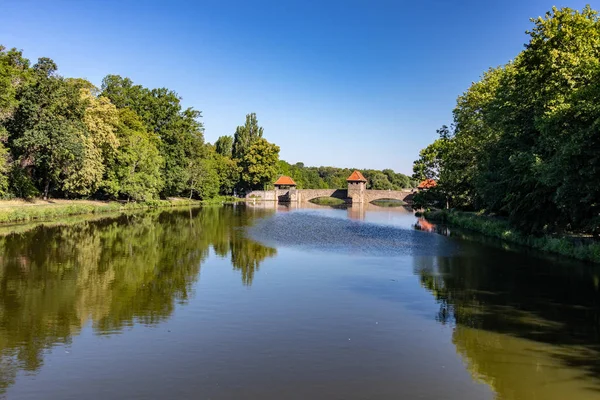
(507, 304)
(112, 272)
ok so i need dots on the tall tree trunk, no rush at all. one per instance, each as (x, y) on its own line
(46, 189)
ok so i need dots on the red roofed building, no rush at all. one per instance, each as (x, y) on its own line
(427, 184)
(357, 184)
(356, 176)
(284, 182)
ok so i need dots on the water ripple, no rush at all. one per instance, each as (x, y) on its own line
(322, 233)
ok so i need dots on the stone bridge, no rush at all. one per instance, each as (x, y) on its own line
(304, 195)
(285, 192)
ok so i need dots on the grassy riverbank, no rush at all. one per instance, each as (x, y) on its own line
(33, 210)
(579, 248)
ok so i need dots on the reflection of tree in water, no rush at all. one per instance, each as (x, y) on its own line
(113, 272)
(247, 255)
(521, 322)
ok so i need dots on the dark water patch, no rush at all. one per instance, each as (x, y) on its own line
(322, 233)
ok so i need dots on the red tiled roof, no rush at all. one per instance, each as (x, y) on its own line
(356, 177)
(427, 184)
(285, 181)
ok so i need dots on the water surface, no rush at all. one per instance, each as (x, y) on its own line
(264, 302)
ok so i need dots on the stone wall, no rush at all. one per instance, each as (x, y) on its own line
(403, 195)
(350, 196)
(261, 195)
(305, 195)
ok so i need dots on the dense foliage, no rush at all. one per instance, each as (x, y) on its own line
(335, 178)
(525, 139)
(64, 137)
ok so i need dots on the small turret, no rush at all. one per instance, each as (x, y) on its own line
(357, 184)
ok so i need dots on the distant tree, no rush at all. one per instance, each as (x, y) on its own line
(224, 146)
(379, 181)
(204, 179)
(245, 136)
(228, 172)
(259, 165)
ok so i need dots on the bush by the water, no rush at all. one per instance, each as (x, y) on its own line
(582, 249)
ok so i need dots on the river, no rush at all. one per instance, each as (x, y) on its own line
(275, 302)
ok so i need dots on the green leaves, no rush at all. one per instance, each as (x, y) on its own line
(245, 136)
(259, 164)
(135, 170)
(526, 135)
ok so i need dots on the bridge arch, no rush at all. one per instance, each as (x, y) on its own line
(405, 195)
(311, 194)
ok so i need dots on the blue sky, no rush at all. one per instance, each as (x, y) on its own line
(344, 83)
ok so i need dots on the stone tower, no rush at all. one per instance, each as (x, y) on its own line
(357, 184)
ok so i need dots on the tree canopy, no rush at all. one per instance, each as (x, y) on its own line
(64, 137)
(524, 140)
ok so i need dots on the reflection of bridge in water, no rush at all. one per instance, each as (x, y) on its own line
(356, 211)
(357, 193)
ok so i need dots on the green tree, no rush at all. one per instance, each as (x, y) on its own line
(245, 136)
(99, 141)
(259, 165)
(228, 172)
(525, 135)
(224, 146)
(379, 181)
(180, 131)
(204, 179)
(47, 127)
(135, 170)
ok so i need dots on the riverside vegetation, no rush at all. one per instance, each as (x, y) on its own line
(65, 138)
(523, 143)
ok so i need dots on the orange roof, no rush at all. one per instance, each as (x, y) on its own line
(285, 181)
(427, 184)
(356, 177)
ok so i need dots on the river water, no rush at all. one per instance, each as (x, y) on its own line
(259, 302)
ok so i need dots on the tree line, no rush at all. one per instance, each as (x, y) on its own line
(65, 137)
(335, 178)
(525, 139)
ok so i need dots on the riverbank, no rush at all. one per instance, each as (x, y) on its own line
(18, 210)
(581, 249)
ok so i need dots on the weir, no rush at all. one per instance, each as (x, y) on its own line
(357, 193)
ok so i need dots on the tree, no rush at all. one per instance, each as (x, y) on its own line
(135, 171)
(99, 141)
(526, 135)
(204, 179)
(429, 164)
(224, 146)
(228, 172)
(180, 131)
(245, 136)
(47, 127)
(259, 165)
(14, 75)
(379, 181)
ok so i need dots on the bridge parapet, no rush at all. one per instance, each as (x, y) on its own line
(404, 195)
(305, 195)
